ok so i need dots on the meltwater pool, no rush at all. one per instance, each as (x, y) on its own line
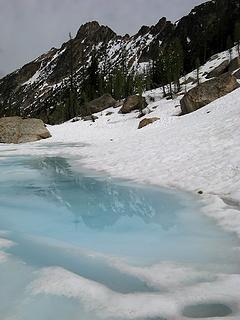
(79, 245)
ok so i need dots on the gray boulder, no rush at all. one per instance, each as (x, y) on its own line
(218, 71)
(133, 103)
(104, 102)
(207, 92)
(145, 122)
(19, 130)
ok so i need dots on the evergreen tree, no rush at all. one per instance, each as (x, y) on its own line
(139, 88)
(229, 46)
(197, 65)
(177, 62)
(93, 78)
(237, 36)
(72, 97)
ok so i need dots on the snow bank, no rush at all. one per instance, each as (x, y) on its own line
(95, 297)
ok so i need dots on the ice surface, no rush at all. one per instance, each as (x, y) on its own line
(91, 247)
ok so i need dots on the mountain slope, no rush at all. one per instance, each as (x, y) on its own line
(38, 88)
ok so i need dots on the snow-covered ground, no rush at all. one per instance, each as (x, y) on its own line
(195, 152)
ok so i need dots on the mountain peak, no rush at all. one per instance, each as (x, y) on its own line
(95, 32)
(87, 29)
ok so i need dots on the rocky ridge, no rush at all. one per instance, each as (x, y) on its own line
(36, 89)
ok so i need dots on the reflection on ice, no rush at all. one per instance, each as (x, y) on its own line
(79, 246)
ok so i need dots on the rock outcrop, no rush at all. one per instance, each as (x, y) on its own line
(219, 70)
(133, 103)
(207, 92)
(19, 130)
(225, 66)
(145, 122)
(104, 102)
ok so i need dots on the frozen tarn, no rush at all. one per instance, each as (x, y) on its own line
(100, 248)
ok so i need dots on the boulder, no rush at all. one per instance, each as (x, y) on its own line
(207, 92)
(219, 70)
(234, 64)
(19, 130)
(145, 122)
(133, 103)
(104, 102)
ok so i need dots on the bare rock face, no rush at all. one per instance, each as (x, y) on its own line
(104, 102)
(133, 103)
(218, 71)
(145, 122)
(207, 92)
(19, 130)
(234, 64)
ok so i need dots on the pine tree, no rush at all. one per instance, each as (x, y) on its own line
(237, 36)
(71, 101)
(197, 65)
(177, 62)
(139, 88)
(93, 77)
(229, 46)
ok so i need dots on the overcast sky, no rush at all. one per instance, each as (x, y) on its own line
(30, 27)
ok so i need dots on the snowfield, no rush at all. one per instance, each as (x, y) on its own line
(195, 152)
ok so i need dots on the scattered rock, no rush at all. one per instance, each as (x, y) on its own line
(151, 99)
(145, 122)
(144, 112)
(90, 118)
(214, 57)
(234, 64)
(207, 92)
(133, 103)
(75, 119)
(189, 80)
(109, 113)
(19, 130)
(104, 102)
(219, 70)
(200, 192)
